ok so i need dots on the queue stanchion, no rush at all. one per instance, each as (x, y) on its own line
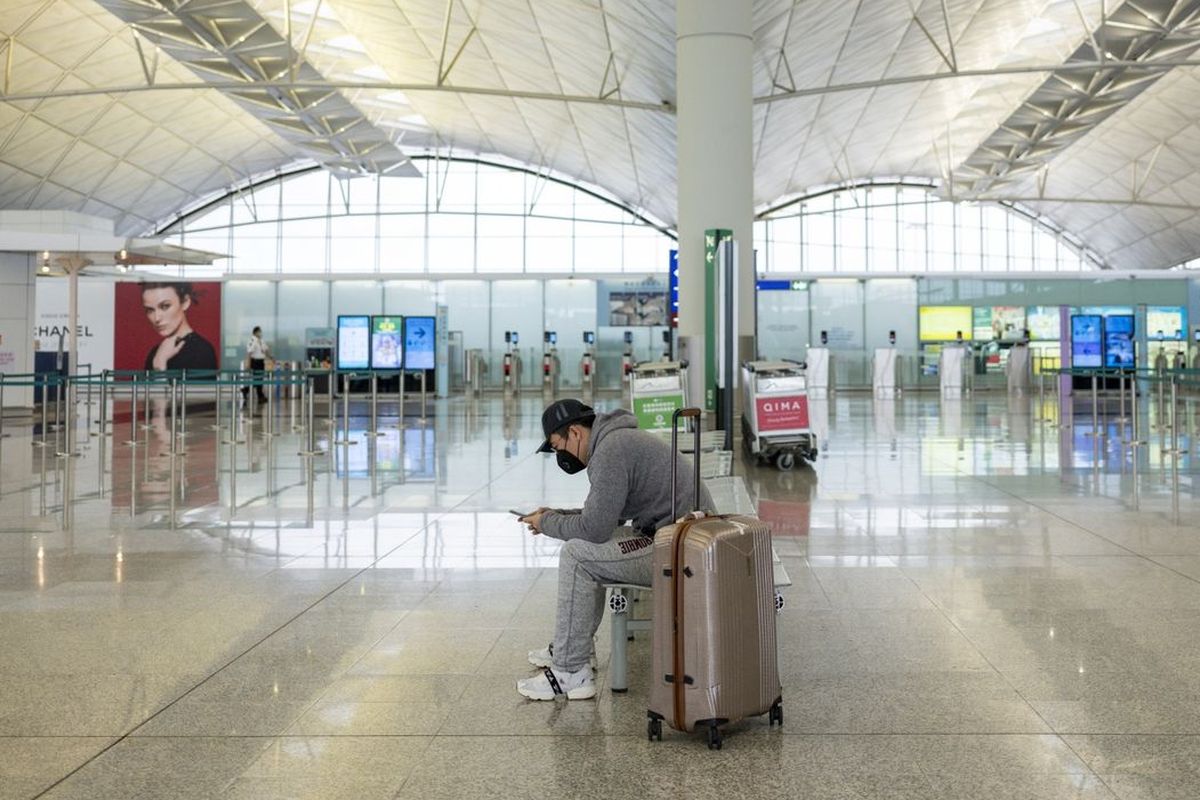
(401, 414)
(64, 399)
(1122, 419)
(146, 402)
(39, 380)
(1134, 414)
(1041, 395)
(174, 395)
(234, 417)
(1094, 433)
(304, 391)
(133, 412)
(329, 386)
(3, 435)
(345, 440)
(374, 430)
(422, 394)
(88, 401)
(216, 426)
(182, 404)
(102, 421)
(311, 436)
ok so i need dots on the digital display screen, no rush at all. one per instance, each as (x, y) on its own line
(1042, 322)
(1087, 337)
(419, 342)
(1118, 342)
(942, 323)
(387, 342)
(353, 342)
(998, 323)
(1165, 323)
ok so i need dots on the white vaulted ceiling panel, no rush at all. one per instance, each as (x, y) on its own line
(960, 93)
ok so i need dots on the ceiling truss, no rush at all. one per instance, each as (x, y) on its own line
(1071, 103)
(228, 42)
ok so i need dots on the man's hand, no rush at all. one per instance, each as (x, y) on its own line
(534, 520)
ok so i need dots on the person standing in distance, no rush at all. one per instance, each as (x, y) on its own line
(257, 352)
(609, 540)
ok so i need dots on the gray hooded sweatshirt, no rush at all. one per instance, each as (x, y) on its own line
(630, 473)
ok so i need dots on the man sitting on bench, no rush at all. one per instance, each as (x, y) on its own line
(630, 475)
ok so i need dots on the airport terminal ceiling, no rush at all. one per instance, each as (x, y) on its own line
(1084, 111)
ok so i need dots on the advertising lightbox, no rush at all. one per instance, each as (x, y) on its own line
(387, 342)
(941, 323)
(419, 342)
(353, 342)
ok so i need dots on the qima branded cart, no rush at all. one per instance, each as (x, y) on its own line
(775, 424)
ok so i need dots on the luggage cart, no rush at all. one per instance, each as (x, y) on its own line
(775, 425)
(656, 390)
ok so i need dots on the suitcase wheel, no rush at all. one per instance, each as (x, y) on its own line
(779, 602)
(776, 714)
(654, 729)
(714, 736)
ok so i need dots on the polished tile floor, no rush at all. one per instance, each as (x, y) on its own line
(983, 605)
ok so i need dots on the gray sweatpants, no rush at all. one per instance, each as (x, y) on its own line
(583, 569)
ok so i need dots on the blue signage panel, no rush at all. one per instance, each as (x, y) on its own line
(419, 342)
(353, 342)
(774, 286)
(673, 288)
(1118, 342)
(1087, 339)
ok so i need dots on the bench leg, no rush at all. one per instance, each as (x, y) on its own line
(619, 666)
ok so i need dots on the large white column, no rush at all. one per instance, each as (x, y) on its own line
(714, 52)
(16, 323)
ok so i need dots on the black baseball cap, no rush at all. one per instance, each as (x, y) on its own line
(559, 415)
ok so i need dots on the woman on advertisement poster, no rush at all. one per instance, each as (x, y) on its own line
(166, 306)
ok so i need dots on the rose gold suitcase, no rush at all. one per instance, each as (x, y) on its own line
(714, 652)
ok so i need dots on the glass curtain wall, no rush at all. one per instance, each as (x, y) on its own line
(907, 229)
(460, 217)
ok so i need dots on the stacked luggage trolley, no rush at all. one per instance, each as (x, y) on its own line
(775, 425)
(657, 389)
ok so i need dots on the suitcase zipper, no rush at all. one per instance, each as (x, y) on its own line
(677, 577)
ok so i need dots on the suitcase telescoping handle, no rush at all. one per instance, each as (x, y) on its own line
(694, 414)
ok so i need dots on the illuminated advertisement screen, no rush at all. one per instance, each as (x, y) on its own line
(418, 342)
(353, 342)
(1087, 338)
(1118, 341)
(941, 323)
(1042, 322)
(1166, 323)
(387, 342)
(998, 323)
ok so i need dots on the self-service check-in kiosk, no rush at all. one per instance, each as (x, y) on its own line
(952, 367)
(819, 369)
(1019, 367)
(512, 364)
(587, 364)
(884, 368)
(550, 365)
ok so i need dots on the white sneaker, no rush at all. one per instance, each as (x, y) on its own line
(552, 683)
(545, 657)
